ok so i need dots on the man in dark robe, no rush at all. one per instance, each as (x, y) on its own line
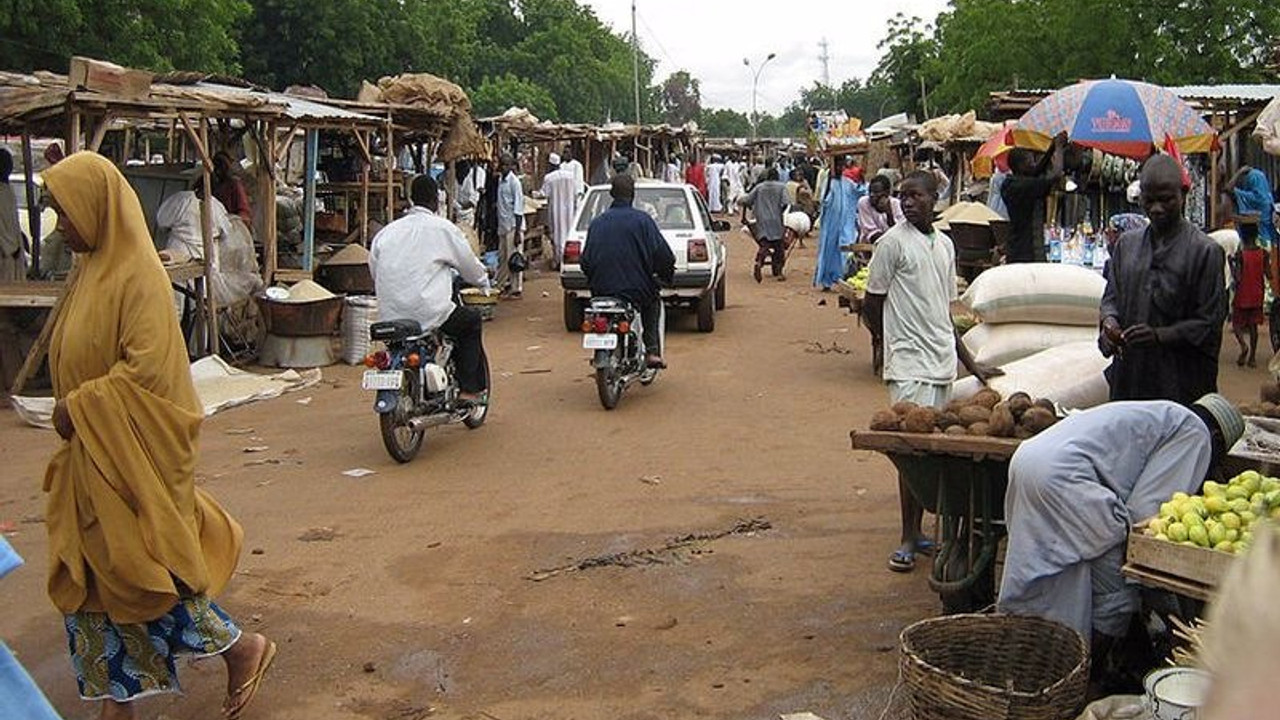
(1165, 301)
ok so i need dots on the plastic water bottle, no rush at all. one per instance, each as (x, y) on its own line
(1055, 248)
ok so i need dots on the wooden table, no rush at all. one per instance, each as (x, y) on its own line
(961, 479)
(49, 295)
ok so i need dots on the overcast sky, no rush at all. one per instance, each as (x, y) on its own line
(710, 38)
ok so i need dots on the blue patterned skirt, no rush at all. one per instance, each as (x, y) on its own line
(123, 662)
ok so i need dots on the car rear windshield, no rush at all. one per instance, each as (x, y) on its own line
(668, 206)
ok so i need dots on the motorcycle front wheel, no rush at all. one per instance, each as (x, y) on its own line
(402, 442)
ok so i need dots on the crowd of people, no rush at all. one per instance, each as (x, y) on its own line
(139, 550)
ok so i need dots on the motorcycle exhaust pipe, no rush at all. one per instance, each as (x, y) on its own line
(419, 424)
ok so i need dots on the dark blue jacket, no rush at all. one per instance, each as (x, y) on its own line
(626, 255)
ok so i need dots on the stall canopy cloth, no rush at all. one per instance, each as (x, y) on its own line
(1122, 117)
(128, 528)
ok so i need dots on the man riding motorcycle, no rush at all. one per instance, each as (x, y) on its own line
(625, 257)
(413, 261)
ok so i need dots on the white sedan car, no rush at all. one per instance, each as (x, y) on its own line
(688, 228)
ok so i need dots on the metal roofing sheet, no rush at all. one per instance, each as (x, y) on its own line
(298, 108)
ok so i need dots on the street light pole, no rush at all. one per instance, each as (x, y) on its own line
(754, 82)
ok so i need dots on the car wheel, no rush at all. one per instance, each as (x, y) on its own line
(707, 313)
(574, 309)
(721, 298)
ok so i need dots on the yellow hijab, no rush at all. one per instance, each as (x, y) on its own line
(126, 522)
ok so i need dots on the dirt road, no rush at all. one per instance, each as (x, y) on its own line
(407, 594)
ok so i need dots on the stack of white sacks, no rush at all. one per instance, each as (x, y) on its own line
(1039, 325)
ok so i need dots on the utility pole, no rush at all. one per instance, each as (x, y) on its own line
(825, 58)
(635, 59)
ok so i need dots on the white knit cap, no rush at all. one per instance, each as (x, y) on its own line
(553, 158)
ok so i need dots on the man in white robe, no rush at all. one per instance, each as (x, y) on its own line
(561, 190)
(568, 162)
(734, 171)
(715, 171)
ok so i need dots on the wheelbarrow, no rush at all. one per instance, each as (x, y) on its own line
(962, 480)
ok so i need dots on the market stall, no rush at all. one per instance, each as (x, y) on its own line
(1231, 110)
(106, 108)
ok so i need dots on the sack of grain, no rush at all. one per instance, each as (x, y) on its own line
(361, 312)
(1070, 375)
(1000, 344)
(1036, 293)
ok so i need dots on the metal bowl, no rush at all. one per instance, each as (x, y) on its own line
(302, 319)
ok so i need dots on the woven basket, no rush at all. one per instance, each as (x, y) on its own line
(993, 667)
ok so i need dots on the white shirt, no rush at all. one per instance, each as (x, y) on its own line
(510, 202)
(575, 167)
(411, 262)
(180, 215)
(917, 274)
(559, 187)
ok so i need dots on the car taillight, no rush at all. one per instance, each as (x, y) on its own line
(698, 250)
(380, 360)
(572, 252)
(600, 324)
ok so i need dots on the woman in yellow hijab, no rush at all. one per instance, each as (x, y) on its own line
(137, 551)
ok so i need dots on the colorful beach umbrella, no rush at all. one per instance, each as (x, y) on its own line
(1122, 117)
(994, 153)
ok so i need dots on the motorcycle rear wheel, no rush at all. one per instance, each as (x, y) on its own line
(402, 442)
(608, 388)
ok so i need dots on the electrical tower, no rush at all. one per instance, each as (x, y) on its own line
(825, 59)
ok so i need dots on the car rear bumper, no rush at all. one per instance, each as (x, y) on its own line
(689, 283)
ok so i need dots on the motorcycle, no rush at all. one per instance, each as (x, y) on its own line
(612, 330)
(416, 386)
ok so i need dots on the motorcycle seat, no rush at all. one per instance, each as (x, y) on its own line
(395, 330)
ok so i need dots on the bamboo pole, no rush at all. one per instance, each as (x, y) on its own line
(270, 248)
(391, 173)
(33, 207)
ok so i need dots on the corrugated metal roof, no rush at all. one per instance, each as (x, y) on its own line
(299, 108)
(1227, 92)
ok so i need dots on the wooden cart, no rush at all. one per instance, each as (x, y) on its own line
(962, 480)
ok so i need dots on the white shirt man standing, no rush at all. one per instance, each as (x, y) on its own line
(909, 295)
(413, 261)
(568, 162)
(510, 226)
(560, 189)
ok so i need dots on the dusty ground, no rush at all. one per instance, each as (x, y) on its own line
(421, 605)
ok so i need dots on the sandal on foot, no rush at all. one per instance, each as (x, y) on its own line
(902, 561)
(246, 692)
(926, 547)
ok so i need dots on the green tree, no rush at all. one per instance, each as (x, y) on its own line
(909, 63)
(495, 95)
(986, 45)
(157, 35)
(722, 122)
(680, 97)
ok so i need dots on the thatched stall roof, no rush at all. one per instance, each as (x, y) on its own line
(37, 103)
(423, 108)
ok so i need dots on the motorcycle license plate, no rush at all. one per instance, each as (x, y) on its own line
(382, 379)
(600, 341)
